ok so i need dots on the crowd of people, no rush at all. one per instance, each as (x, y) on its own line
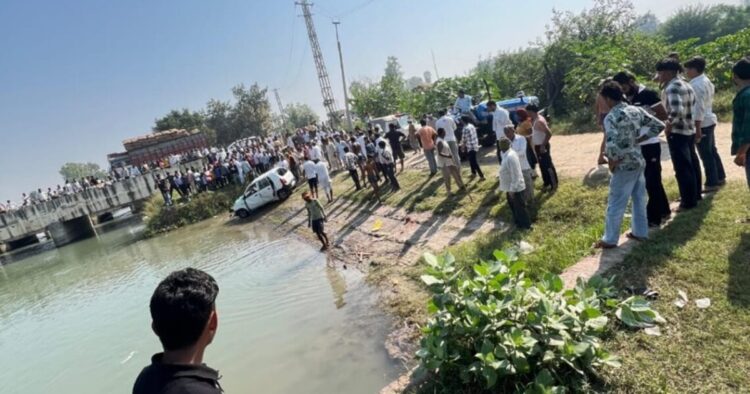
(183, 306)
(632, 117)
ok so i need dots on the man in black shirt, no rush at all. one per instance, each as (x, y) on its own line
(183, 313)
(394, 137)
(640, 96)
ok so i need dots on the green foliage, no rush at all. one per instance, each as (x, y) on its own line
(494, 328)
(185, 119)
(160, 218)
(376, 99)
(721, 55)
(72, 171)
(299, 115)
(705, 23)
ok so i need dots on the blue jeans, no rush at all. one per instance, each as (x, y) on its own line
(429, 154)
(623, 186)
(712, 165)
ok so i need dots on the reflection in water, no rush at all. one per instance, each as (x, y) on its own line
(338, 285)
(80, 313)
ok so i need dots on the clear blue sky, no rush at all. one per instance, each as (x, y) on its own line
(79, 76)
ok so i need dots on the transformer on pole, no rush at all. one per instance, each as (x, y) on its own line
(325, 84)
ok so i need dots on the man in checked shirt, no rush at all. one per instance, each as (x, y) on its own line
(679, 99)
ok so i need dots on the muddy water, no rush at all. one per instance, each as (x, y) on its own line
(75, 319)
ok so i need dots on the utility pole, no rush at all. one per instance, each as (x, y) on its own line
(437, 76)
(325, 84)
(281, 107)
(343, 79)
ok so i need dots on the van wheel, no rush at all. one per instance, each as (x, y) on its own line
(283, 194)
(243, 213)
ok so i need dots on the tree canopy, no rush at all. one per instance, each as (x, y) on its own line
(72, 171)
(225, 121)
(299, 115)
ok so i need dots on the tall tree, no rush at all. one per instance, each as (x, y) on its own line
(72, 171)
(250, 115)
(219, 120)
(176, 119)
(299, 115)
(690, 22)
(392, 85)
(647, 23)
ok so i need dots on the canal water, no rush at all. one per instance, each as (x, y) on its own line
(76, 319)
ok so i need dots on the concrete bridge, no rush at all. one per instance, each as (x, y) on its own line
(69, 218)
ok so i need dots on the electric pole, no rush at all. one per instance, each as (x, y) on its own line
(437, 76)
(281, 107)
(325, 84)
(343, 79)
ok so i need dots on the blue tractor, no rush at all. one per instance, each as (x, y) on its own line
(484, 118)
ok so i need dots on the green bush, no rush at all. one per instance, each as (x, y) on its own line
(497, 329)
(161, 218)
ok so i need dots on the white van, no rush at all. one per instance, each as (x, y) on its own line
(274, 185)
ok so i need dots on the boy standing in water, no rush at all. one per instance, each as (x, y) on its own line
(316, 216)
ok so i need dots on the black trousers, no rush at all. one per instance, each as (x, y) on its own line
(530, 155)
(390, 175)
(549, 174)
(474, 164)
(517, 204)
(657, 208)
(687, 168)
(355, 177)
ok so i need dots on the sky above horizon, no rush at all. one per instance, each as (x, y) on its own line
(80, 76)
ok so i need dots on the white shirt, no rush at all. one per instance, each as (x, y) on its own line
(500, 119)
(362, 144)
(704, 100)
(511, 177)
(316, 153)
(519, 146)
(449, 125)
(322, 170)
(310, 169)
(463, 104)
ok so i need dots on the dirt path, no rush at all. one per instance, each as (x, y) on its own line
(575, 155)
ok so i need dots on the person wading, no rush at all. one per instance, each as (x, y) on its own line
(316, 217)
(183, 313)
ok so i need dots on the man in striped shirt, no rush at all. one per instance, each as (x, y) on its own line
(470, 143)
(679, 100)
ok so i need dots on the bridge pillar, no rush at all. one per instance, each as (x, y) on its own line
(19, 243)
(63, 233)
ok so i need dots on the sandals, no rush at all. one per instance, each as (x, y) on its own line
(635, 238)
(603, 245)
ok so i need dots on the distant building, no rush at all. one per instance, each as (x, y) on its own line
(156, 146)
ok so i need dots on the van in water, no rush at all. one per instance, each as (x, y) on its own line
(274, 185)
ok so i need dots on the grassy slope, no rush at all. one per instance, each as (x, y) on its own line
(706, 253)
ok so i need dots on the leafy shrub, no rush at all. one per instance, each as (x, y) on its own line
(161, 218)
(497, 329)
